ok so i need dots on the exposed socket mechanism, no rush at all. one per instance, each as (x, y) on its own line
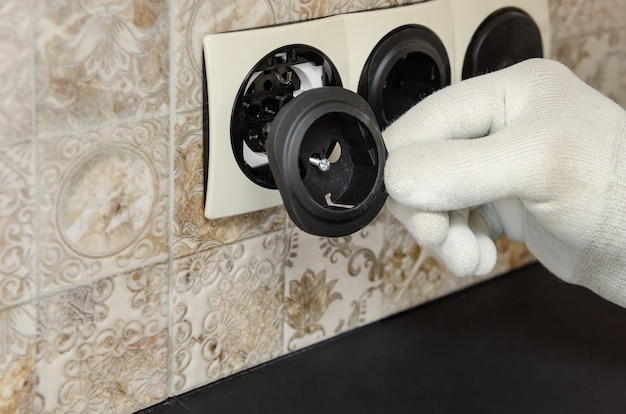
(279, 77)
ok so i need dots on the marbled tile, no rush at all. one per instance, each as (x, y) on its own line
(103, 202)
(196, 18)
(572, 18)
(192, 232)
(227, 310)
(18, 329)
(299, 10)
(16, 69)
(622, 71)
(332, 284)
(17, 278)
(100, 60)
(103, 346)
(596, 59)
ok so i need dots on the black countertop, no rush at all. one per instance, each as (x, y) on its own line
(522, 343)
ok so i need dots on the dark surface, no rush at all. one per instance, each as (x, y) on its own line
(506, 37)
(522, 343)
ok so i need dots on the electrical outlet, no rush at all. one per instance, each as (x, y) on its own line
(392, 58)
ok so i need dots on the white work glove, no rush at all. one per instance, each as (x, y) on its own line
(531, 152)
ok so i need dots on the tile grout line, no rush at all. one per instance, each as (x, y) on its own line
(146, 265)
(33, 65)
(97, 126)
(170, 267)
(36, 185)
(161, 259)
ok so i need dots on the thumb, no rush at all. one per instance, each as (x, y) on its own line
(452, 175)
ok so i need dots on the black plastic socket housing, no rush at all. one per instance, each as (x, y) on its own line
(506, 37)
(346, 196)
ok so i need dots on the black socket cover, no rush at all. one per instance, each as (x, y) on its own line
(405, 66)
(506, 37)
(346, 197)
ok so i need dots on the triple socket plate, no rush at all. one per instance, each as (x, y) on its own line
(347, 40)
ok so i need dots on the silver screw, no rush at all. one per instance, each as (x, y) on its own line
(322, 164)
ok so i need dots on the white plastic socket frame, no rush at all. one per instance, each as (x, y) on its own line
(346, 41)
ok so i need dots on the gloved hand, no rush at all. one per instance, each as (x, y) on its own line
(529, 151)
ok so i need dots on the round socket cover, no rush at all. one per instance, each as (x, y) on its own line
(506, 37)
(327, 156)
(407, 65)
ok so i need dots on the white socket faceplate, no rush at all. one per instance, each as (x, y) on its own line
(347, 40)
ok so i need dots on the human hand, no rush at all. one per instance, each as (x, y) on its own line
(529, 151)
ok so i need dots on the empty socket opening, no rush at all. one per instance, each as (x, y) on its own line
(272, 83)
(407, 65)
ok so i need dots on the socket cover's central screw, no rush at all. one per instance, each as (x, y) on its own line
(322, 164)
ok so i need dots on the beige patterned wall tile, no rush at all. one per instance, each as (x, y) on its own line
(332, 285)
(227, 310)
(572, 18)
(16, 69)
(18, 329)
(622, 70)
(298, 10)
(597, 59)
(412, 274)
(197, 18)
(103, 202)
(192, 232)
(17, 278)
(103, 346)
(100, 60)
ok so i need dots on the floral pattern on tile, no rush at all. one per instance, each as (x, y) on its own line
(411, 273)
(17, 279)
(572, 18)
(227, 310)
(196, 18)
(192, 232)
(103, 201)
(597, 59)
(16, 69)
(98, 60)
(17, 359)
(332, 284)
(103, 346)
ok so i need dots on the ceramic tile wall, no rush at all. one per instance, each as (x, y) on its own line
(590, 37)
(115, 292)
